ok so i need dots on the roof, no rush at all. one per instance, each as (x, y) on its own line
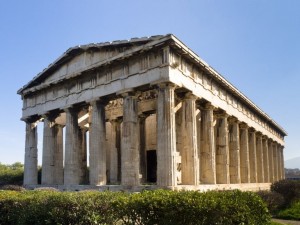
(76, 50)
(153, 40)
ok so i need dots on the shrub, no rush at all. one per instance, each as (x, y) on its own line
(148, 207)
(291, 213)
(274, 200)
(11, 174)
(289, 189)
(11, 187)
(187, 207)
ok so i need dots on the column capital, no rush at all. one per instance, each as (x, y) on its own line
(190, 95)
(252, 130)
(265, 137)
(221, 115)
(208, 106)
(31, 119)
(71, 109)
(243, 125)
(103, 101)
(51, 115)
(232, 120)
(166, 84)
(129, 92)
(259, 134)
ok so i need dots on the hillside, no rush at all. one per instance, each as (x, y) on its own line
(292, 163)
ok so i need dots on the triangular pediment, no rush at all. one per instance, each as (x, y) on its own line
(80, 58)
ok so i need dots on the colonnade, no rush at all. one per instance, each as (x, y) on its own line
(216, 148)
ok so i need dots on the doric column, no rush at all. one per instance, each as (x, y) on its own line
(271, 163)
(130, 141)
(252, 156)
(282, 163)
(280, 172)
(207, 155)
(244, 152)
(189, 156)
(48, 152)
(198, 125)
(52, 158)
(115, 151)
(266, 159)
(72, 148)
(97, 146)
(260, 158)
(142, 148)
(166, 136)
(59, 155)
(83, 155)
(30, 161)
(222, 149)
(234, 151)
(275, 161)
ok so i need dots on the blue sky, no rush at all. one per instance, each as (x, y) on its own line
(254, 44)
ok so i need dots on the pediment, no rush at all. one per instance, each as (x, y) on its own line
(78, 59)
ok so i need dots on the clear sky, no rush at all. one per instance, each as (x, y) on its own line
(254, 44)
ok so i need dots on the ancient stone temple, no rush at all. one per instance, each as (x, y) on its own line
(145, 113)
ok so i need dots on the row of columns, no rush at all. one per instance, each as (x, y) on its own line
(216, 148)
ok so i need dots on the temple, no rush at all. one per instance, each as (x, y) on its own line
(145, 113)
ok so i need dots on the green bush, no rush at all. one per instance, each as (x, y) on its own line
(186, 207)
(12, 187)
(11, 174)
(148, 207)
(291, 213)
(274, 200)
(289, 189)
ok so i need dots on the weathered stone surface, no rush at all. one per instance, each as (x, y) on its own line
(207, 152)
(189, 155)
(130, 142)
(155, 112)
(98, 144)
(30, 162)
(166, 138)
(245, 162)
(234, 152)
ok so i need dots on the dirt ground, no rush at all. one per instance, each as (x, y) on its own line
(287, 222)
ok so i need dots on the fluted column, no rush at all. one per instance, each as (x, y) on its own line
(222, 150)
(282, 163)
(115, 151)
(59, 155)
(97, 146)
(48, 152)
(234, 152)
(30, 161)
(72, 148)
(244, 152)
(166, 136)
(83, 155)
(207, 155)
(266, 159)
(130, 141)
(52, 158)
(142, 148)
(260, 158)
(271, 163)
(189, 156)
(252, 156)
(275, 161)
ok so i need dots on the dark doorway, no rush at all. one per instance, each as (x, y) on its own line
(151, 166)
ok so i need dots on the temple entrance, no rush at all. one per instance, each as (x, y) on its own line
(151, 166)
